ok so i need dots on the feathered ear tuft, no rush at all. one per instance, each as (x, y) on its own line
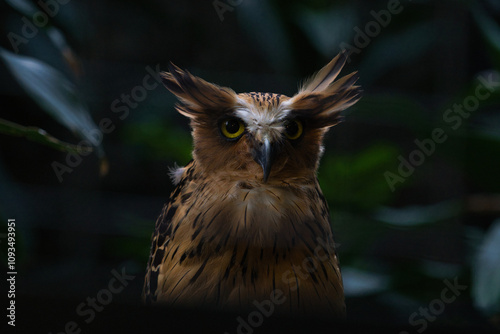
(197, 96)
(322, 99)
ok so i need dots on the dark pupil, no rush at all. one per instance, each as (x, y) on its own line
(232, 126)
(291, 128)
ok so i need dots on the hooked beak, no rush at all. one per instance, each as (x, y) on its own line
(264, 156)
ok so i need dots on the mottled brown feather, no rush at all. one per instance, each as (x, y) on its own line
(226, 238)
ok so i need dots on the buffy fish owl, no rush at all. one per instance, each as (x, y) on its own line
(247, 221)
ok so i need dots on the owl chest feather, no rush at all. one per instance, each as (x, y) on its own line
(230, 244)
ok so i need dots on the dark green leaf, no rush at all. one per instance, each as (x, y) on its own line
(55, 94)
(486, 273)
(25, 7)
(490, 31)
(40, 136)
(359, 282)
(416, 215)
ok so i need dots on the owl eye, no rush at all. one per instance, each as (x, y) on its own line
(293, 129)
(232, 128)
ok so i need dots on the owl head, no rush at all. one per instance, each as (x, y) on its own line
(262, 137)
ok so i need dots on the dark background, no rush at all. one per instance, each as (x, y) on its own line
(396, 246)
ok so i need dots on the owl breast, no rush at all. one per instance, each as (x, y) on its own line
(232, 242)
(268, 211)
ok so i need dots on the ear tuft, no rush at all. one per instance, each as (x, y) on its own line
(322, 98)
(196, 95)
(324, 77)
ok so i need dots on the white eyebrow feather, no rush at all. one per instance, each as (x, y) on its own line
(262, 121)
(257, 118)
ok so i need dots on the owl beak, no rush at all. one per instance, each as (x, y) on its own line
(264, 157)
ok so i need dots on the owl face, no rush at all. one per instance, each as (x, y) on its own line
(262, 137)
(267, 140)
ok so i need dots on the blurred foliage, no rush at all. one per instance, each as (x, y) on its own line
(490, 31)
(158, 140)
(49, 87)
(483, 159)
(399, 245)
(486, 276)
(55, 95)
(40, 136)
(131, 244)
(348, 180)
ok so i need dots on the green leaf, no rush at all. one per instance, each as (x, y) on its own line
(490, 31)
(416, 215)
(359, 282)
(40, 136)
(29, 10)
(486, 273)
(23, 6)
(55, 94)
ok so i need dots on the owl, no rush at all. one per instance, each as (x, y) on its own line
(247, 223)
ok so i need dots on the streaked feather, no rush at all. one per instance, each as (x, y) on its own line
(226, 237)
(322, 98)
(197, 95)
(322, 79)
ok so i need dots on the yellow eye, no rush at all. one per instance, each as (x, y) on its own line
(232, 128)
(293, 129)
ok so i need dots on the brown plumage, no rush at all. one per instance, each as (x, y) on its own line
(248, 217)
